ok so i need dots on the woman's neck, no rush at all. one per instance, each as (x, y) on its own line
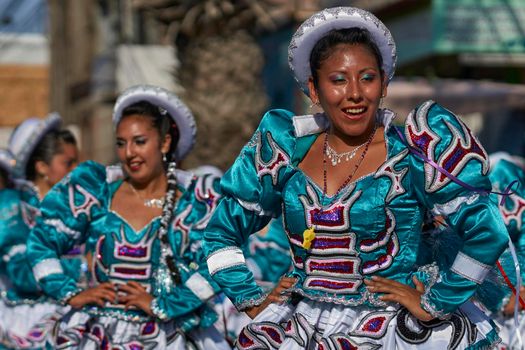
(151, 188)
(342, 141)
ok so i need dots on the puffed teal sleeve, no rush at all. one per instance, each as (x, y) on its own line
(13, 235)
(251, 197)
(445, 140)
(197, 286)
(66, 213)
(495, 293)
(268, 253)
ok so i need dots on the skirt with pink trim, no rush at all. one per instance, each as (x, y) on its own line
(85, 330)
(326, 326)
(27, 324)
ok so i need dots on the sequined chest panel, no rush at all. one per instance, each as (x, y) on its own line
(123, 255)
(357, 233)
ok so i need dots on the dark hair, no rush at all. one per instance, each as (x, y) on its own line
(4, 178)
(47, 148)
(351, 36)
(161, 120)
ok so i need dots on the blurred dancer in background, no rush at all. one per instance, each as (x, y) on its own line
(43, 154)
(151, 285)
(497, 294)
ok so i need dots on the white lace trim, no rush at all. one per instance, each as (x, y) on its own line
(225, 258)
(47, 267)
(470, 268)
(157, 311)
(251, 302)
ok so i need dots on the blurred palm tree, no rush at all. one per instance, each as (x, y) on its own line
(220, 68)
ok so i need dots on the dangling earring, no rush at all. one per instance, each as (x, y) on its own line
(164, 159)
(313, 104)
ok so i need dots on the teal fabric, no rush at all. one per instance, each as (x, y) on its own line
(269, 252)
(19, 208)
(82, 202)
(494, 293)
(389, 204)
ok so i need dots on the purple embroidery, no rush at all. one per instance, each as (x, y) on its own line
(332, 217)
(134, 252)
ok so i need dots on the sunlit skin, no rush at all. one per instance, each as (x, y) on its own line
(349, 91)
(277, 295)
(139, 149)
(350, 87)
(60, 165)
(508, 309)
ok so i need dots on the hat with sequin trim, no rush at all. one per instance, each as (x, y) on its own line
(319, 24)
(165, 100)
(7, 161)
(27, 136)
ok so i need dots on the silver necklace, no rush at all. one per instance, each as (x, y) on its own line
(150, 203)
(336, 157)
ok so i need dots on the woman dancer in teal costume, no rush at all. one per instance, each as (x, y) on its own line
(151, 286)
(495, 294)
(43, 155)
(7, 161)
(353, 197)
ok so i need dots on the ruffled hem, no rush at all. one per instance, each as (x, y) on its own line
(313, 324)
(80, 330)
(28, 326)
(251, 302)
(4, 297)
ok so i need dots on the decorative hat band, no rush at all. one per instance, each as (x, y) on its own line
(169, 103)
(318, 25)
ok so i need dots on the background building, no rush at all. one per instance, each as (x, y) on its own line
(228, 61)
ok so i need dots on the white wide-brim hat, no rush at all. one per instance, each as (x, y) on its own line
(168, 101)
(7, 161)
(26, 137)
(319, 24)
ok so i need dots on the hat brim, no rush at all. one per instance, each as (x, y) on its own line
(318, 25)
(165, 99)
(26, 137)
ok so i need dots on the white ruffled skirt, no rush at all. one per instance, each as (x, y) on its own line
(325, 326)
(81, 330)
(27, 325)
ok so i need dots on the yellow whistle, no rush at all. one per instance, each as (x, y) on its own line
(308, 237)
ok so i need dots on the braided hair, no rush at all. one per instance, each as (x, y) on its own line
(163, 122)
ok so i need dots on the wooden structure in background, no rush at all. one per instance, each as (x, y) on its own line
(25, 93)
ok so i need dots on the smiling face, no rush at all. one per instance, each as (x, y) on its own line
(349, 89)
(140, 149)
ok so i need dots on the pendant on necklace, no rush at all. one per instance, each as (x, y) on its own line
(154, 203)
(308, 237)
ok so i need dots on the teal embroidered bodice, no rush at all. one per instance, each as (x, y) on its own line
(373, 226)
(79, 210)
